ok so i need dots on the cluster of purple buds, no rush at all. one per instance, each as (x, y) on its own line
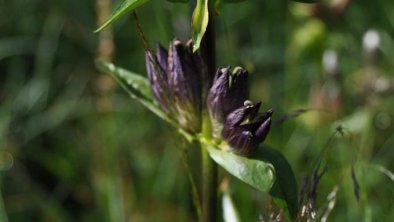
(176, 78)
(234, 118)
(229, 91)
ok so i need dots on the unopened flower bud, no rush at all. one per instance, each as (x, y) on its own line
(175, 78)
(185, 85)
(244, 128)
(157, 73)
(228, 92)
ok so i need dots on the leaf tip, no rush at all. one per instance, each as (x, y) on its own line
(103, 26)
(97, 30)
(195, 47)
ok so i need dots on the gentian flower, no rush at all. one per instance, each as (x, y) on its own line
(175, 78)
(228, 92)
(244, 128)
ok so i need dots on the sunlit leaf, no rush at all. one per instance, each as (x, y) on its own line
(136, 86)
(125, 7)
(257, 173)
(199, 23)
(284, 190)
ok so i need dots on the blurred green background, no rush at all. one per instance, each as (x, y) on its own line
(75, 147)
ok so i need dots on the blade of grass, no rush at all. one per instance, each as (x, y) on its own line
(124, 8)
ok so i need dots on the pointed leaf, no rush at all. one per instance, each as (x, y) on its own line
(199, 23)
(136, 86)
(257, 173)
(284, 190)
(125, 7)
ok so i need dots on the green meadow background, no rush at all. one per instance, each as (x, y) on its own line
(75, 147)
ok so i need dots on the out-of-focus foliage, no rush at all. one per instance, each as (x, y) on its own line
(74, 147)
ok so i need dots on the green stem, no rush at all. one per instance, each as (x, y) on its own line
(209, 186)
(196, 197)
(209, 167)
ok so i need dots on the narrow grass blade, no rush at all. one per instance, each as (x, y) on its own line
(125, 7)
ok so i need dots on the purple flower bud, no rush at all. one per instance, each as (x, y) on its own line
(175, 78)
(244, 128)
(162, 57)
(228, 92)
(157, 73)
(185, 85)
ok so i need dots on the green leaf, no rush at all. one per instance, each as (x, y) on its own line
(257, 173)
(199, 23)
(307, 1)
(135, 85)
(125, 7)
(284, 190)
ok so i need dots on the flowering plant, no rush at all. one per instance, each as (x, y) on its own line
(211, 108)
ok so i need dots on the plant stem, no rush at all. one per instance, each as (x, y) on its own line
(209, 167)
(208, 47)
(209, 177)
(209, 186)
(196, 197)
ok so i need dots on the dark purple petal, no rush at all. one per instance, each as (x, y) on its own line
(175, 78)
(263, 130)
(162, 57)
(185, 85)
(228, 92)
(239, 115)
(245, 129)
(158, 81)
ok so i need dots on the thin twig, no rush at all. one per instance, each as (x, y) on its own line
(141, 33)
